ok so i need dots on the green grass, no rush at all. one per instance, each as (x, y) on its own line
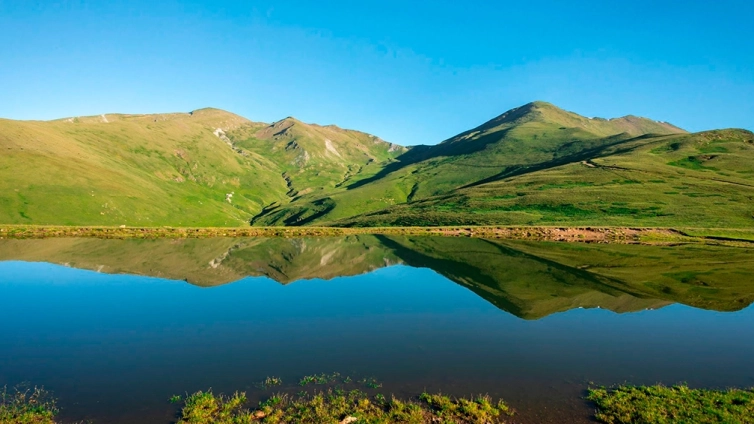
(337, 406)
(534, 165)
(131, 171)
(692, 162)
(33, 406)
(722, 233)
(169, 169)
(628, 185)
(315, 158)
(208, 408)
(677, 404)
(321, 379)
(527, 140)
(619, 405)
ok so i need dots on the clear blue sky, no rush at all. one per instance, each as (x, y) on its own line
(410, 72)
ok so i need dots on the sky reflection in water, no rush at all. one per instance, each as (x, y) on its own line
(116, 346)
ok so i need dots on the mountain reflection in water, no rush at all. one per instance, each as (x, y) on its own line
(528, 279)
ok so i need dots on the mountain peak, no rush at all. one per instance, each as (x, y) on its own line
(539, 104)
(533, 111)
(288, 120)
(547, 113)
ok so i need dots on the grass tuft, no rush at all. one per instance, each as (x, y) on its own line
(678, 404)
(336, 407)
(208, 408)
(32, 406)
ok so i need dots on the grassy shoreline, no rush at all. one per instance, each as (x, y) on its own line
(342, 407)
(677, 404)
(544, 233)
(626, 404)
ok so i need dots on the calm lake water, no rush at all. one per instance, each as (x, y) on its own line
(115, 327)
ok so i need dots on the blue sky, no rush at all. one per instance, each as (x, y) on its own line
(410, 72)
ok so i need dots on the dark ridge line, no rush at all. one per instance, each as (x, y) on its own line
(581, 156)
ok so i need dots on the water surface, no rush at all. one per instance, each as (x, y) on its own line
(115, 327)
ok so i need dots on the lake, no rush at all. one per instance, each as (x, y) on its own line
(115, 327)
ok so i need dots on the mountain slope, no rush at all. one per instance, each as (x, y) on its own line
(130, 169)
(535, 134)
(199, 168)
(533, 165)
(693, 180)
(314, 160)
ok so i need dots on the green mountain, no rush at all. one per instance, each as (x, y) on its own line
(688, 180)
(533, 165)
(204, 168)
(534, 137)
(315, 158)
(528, 279)
(540, 165)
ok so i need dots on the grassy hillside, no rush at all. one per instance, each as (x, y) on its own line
(533, 165)
(314, 160)
(693, 180)
(527, 138)
(131, 169)
(314, 157)
(181, 169)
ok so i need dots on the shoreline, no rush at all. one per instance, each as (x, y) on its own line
(579, 234)
(622, 404)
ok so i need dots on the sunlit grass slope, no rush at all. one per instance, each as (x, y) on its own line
(531, 137)
(533, 165)
(130, 169)
(207, 167)
(690, 180)
(315, 157)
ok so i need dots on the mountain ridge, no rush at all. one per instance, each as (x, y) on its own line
(507, 116)
(693, 180)
(213, 167)
(547, 112)
(528, 136)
